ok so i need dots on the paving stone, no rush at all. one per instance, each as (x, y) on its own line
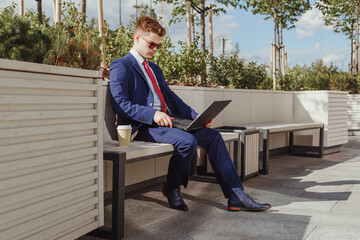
(334, 232)
(312, 199)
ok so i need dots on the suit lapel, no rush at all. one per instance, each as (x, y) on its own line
(135, 64)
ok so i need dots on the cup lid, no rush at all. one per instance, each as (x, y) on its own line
(124, 127)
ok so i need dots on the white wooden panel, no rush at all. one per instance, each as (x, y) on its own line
(47, 77)
(20, 131)
(44, 160)
(30, 196)
(44, 92)
(43, 68)
(12, 99)
(33, 146)
(46, 151)
(12, 218)
(45, 107)
(44, 122)
(42, 84)
(50, 151)
(10, 116)
(252, 154)
(55, 164)
(328, 107)
(46, 137)
(353, 111)
(39, 177)
(87, 218)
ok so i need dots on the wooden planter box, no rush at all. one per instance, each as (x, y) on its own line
(51, 168)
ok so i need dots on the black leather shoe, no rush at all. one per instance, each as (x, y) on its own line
(240, 201)
(174, 198)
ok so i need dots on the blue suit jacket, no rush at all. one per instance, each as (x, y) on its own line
(131, 97)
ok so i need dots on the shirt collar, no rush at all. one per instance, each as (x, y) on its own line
(137, 56)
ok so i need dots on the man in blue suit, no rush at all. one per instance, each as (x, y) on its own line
(141, 95)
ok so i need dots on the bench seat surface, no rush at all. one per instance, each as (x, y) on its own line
(138, 149)
(283, 127)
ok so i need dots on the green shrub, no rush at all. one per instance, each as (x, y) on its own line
(118, 43)
(230, 70)
(75, 42)
(20, 39)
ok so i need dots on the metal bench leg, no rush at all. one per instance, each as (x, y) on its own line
(118, 198)
(243, 160)
(291, 143)
(265, 165)
(321, 142)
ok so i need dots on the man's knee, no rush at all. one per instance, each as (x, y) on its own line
(211, 134)
(188, 143)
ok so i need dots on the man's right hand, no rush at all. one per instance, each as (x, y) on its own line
(162, 119)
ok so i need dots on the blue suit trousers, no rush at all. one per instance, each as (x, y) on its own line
(185, 144)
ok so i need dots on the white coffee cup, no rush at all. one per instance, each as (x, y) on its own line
(124, 134)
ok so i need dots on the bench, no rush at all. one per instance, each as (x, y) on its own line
(138, 151)
(273, 128)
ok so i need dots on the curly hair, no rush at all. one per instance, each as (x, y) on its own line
(147, 24)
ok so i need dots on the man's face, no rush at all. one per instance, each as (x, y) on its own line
(144, 42)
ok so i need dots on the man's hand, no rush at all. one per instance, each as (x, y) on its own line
(162, 119)
(209, 123)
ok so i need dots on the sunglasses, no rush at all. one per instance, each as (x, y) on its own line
(152, 45)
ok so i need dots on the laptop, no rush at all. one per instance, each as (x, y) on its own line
(210, 113)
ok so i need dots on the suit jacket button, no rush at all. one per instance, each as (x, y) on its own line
(150, 104)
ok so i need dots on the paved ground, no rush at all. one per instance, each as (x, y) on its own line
(311, 198)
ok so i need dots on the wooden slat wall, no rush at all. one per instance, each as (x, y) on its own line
(337, 120)
(252, 154)
(353, 111)
(51, 168)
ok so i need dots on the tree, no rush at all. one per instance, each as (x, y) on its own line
(144, 10)
(179, 12)
(285, 13)
(343, 16)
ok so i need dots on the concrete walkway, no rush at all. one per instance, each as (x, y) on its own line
(311, 198)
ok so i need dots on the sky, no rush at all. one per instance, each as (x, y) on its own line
(309, 41)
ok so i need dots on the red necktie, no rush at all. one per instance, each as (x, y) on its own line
(154, 83)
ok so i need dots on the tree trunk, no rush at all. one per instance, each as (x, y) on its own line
(101, 31)
(83, 9)
(58, 11)
(188, 21)
(39, 9)
(211, 31)
(282, 51)
(273, 64)
(278, 43)
(351, 55)
(354, 54)
(21, 8)
(202, 7)
(83, 6)
(274, 58)
(352, 46)
(357, 38)
(193, 24)
(54, 10)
